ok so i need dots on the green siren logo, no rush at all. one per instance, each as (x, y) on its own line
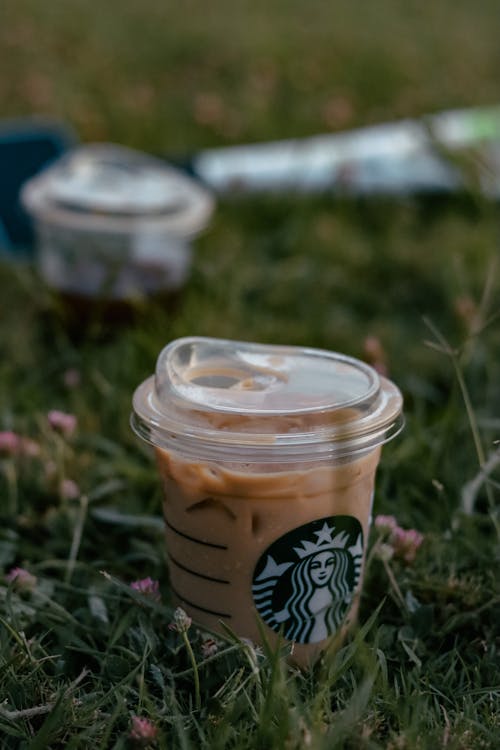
(304, 582)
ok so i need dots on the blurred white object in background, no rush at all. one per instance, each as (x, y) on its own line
(418, 155)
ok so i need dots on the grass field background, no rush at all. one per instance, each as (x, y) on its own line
(81, 653)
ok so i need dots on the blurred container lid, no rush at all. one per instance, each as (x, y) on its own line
(107, 187)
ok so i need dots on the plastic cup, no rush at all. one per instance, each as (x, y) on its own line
(267, 456)
(114, 224)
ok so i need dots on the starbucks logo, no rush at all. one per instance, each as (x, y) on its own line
(304, 582)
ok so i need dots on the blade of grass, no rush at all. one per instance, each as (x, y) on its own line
(455, 360)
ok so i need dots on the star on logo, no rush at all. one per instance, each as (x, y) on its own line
(324, 534)
(325, 541)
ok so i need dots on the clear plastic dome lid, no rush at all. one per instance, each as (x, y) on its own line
(213, 396)
(111, 185)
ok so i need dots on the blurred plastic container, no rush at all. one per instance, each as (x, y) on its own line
(115, 224)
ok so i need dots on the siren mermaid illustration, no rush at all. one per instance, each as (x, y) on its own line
(307, 598)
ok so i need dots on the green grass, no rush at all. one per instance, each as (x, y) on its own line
(82, 653)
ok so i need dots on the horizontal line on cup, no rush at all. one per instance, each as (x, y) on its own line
(192, 538)
(198, 606)
(194, 572)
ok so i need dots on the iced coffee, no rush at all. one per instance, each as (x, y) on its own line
(267, 456)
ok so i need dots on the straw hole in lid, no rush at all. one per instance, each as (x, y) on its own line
(215, 381)
(232, 378)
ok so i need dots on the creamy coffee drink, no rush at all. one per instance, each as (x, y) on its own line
(267, 457)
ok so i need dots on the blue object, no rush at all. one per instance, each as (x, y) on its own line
(26, 146)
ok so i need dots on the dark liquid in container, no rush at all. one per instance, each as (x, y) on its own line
(98, 317)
